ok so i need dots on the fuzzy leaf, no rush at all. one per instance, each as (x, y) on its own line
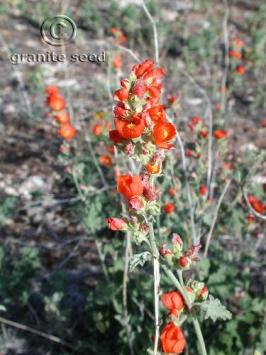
(215, 310)
(139, 260)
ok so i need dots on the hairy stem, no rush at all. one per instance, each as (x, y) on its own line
(155, 32)
(199, 336)
(156, 275)
(125, 282)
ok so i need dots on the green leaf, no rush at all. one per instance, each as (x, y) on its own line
(215, 310)
(139, 260)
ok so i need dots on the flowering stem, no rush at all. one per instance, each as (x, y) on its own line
(156, 274)
(199, 336)
(125, 282)
(197, 328)
(155, 32)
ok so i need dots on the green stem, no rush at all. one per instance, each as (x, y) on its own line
(156, 275)
(199, 336)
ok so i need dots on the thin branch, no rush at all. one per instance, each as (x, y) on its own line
(125, 300)
(210, 124)
(35, 331)
(226, 61)
(189, 195)
(155, 32)
(130, 52)
(257, 214)
(156, 289)
(215, 216)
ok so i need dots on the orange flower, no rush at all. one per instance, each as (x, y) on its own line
(195, 120)
(250, 218)
(203, 190)
(173, 301)
(169, 207)
(129, 129)
(153, 168)
(121, 94)
(157, 113)
(238, 42)
(163, 133)
(220, 134)
(228, 166)
(106, 160)
(204, 132)
(115, 136)
(143, 68)
(172, 339)
(56, 102)
(62, 117)
(117, 62)
(256, 204)
(67, 131)
(129, 186)
(119, 35)
(240, 70)
(97, 129)
(52, 90)
(172, 191)
(235, 54)
(172, 99)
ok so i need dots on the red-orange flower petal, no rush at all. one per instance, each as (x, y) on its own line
(121, 94)
(157, 113)
(173, 301)
(220, 134)
(129, 186)
(169, 207)
(67, 131)
(163, 133)
(56, 102)
(129, 129)
(62, 117)
(106, 160)
(172, 339)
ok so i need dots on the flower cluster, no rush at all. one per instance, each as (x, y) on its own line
(172, 337)
(99, 128)
(142, 130)
(176, 256)
(120, 37)
(198, 127)
(56, 102)
(256, 204)
(236, 55)
(141, 198)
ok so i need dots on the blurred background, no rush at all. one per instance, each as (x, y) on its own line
(61, 269)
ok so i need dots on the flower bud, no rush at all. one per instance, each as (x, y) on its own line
(203, 295)
(116, 224)
(184, 262)
(136, 203)
(144, 228)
